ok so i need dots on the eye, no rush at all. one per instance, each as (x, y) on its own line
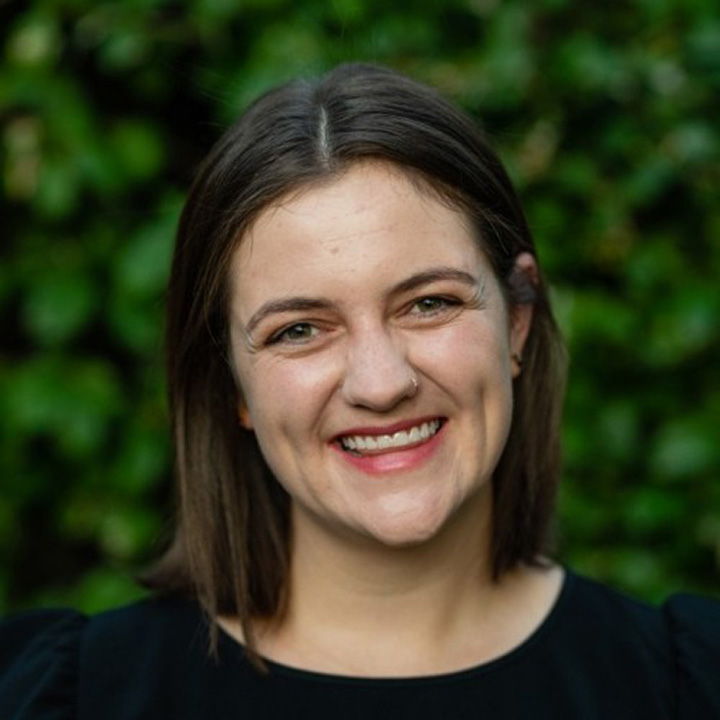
(296, 333)
(433, 304)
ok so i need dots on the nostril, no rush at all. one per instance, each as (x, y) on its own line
(378, 374)
(379, 390)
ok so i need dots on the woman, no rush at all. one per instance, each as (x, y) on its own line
(365, 381)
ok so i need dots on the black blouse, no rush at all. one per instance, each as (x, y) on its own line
(598, 655)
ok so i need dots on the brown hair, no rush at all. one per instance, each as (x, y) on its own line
(231, 547)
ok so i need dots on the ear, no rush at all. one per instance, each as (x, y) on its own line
(241, 407)
(523, 280)
(244, 414)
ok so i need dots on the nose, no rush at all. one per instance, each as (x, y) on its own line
(378, 374)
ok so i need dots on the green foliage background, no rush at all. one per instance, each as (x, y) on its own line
(608, 119)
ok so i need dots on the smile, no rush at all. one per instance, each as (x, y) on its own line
(362, 444)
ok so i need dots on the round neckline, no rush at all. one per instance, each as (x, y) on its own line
(512, 655)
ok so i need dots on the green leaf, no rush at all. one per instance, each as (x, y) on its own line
(58, 306)
(683, 449)
(138, 149)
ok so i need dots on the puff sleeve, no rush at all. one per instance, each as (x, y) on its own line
(695, 629)
(39, 655)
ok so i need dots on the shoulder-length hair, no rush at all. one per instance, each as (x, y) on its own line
(232, 541)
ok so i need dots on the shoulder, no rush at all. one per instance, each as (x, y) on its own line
(596, 609)
(676, 646)
(39, 654)
(157, 620)
(694, 624)
(610, 652)
(61, 664)
(151, 654)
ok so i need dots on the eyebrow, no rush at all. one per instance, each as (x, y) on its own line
(293, 304)
(297, 304)
(434, 275)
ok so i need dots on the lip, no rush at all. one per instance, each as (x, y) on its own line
(394, 460)
(375, 431)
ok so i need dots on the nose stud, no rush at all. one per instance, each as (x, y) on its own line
(415, 384)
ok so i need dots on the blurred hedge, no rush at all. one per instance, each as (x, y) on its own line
(608, 121)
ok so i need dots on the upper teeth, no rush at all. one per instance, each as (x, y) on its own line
(396, 440)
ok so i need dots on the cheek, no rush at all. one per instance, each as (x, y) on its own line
(465, 354)
(283, 393)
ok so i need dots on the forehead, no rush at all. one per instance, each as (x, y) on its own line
(373, 220)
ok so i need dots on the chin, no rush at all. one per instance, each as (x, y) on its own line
(417, 523)
(408, 529)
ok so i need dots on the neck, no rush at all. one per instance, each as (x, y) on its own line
(346, 574)
(363, 609)
(360, 607)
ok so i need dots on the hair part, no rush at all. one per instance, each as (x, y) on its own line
(232, 542)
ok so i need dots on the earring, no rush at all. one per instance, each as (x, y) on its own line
(518, 360)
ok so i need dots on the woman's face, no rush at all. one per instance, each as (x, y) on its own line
(373, 350)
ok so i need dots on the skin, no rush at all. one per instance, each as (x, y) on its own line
(361, 306)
